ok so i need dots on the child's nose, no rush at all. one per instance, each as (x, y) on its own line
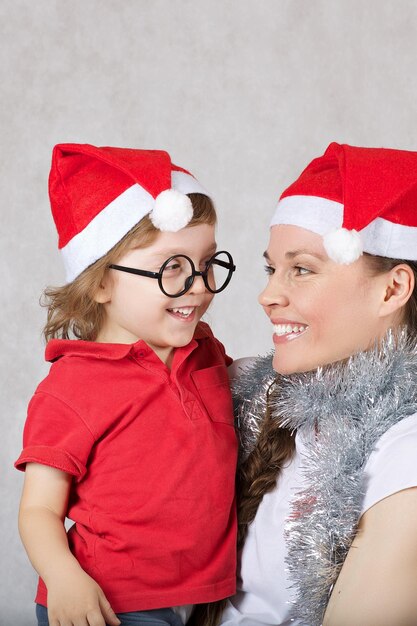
(198, 285)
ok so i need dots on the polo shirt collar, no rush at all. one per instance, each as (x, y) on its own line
(57, 348)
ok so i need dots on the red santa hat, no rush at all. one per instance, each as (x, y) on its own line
(98, 194)
(359, 200)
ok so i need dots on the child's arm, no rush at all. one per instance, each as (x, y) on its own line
(73, 596)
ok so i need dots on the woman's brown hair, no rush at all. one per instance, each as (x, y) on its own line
(259, 473)
(72, 310)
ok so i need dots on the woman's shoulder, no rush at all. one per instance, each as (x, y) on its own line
(239, 366)
(250, 373)
(392, 465)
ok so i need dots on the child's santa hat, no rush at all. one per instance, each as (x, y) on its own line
(99, 194)
(359, 200)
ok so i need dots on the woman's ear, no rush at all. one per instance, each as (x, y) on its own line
(399, 287)
(104, 292)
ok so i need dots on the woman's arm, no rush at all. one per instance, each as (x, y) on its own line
(377, 583)
(73, 596)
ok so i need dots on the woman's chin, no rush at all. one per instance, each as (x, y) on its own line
(285, 367)
(282, 367)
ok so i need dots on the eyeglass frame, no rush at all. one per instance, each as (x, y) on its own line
(190, 279)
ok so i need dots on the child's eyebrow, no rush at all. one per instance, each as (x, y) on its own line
(168, 252)
(212, 249)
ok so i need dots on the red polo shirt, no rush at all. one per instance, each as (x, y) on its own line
(153, 455)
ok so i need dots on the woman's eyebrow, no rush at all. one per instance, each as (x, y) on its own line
(292, 254)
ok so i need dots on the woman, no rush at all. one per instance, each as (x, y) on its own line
(328, 479)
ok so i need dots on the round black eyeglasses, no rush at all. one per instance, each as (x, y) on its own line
(177, 273)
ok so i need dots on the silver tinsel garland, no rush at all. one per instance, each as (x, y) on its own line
(343, 409)
(250, 392)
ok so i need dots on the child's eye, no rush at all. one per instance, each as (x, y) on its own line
(173, 267)
(269, 269)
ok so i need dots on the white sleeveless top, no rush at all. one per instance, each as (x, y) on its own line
(264, 595)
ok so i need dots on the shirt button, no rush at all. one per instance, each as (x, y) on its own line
(142, 353)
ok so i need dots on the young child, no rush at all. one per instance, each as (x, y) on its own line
(131, 434)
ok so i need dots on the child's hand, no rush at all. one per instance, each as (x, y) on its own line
(74, 598)
(78, 600)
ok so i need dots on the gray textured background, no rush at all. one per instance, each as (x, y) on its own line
(242, 93)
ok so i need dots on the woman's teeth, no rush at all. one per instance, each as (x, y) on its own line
(287, 329)
(183, 311)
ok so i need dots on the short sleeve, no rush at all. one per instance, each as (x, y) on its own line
(392, 465)
(55, 435)
(204, 331)
(227, 359)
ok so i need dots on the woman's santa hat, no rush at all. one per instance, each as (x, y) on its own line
(98, 194)
(359, 200)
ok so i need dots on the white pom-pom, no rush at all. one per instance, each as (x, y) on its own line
(172, 211)
(343, 246)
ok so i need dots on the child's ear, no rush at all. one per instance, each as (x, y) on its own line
(399, 288)
(103, 293)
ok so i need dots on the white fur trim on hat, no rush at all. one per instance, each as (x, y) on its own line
(172, 211)
(310, 212)
(186, 183)
(106, 230)
(343, 246)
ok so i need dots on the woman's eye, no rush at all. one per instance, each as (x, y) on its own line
(301, 271)
(269, 269)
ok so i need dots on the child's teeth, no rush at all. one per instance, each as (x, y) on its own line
(183, 310)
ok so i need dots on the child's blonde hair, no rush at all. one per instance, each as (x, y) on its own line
(72, 310)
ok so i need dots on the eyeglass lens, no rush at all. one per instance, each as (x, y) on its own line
(176, 275)
(219, 272)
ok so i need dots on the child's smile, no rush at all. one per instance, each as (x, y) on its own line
(185, 313)
(137, 309)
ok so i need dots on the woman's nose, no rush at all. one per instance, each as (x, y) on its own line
(273, 294)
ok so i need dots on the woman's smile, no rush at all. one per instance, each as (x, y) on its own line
(288, 331)
(332, 309)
